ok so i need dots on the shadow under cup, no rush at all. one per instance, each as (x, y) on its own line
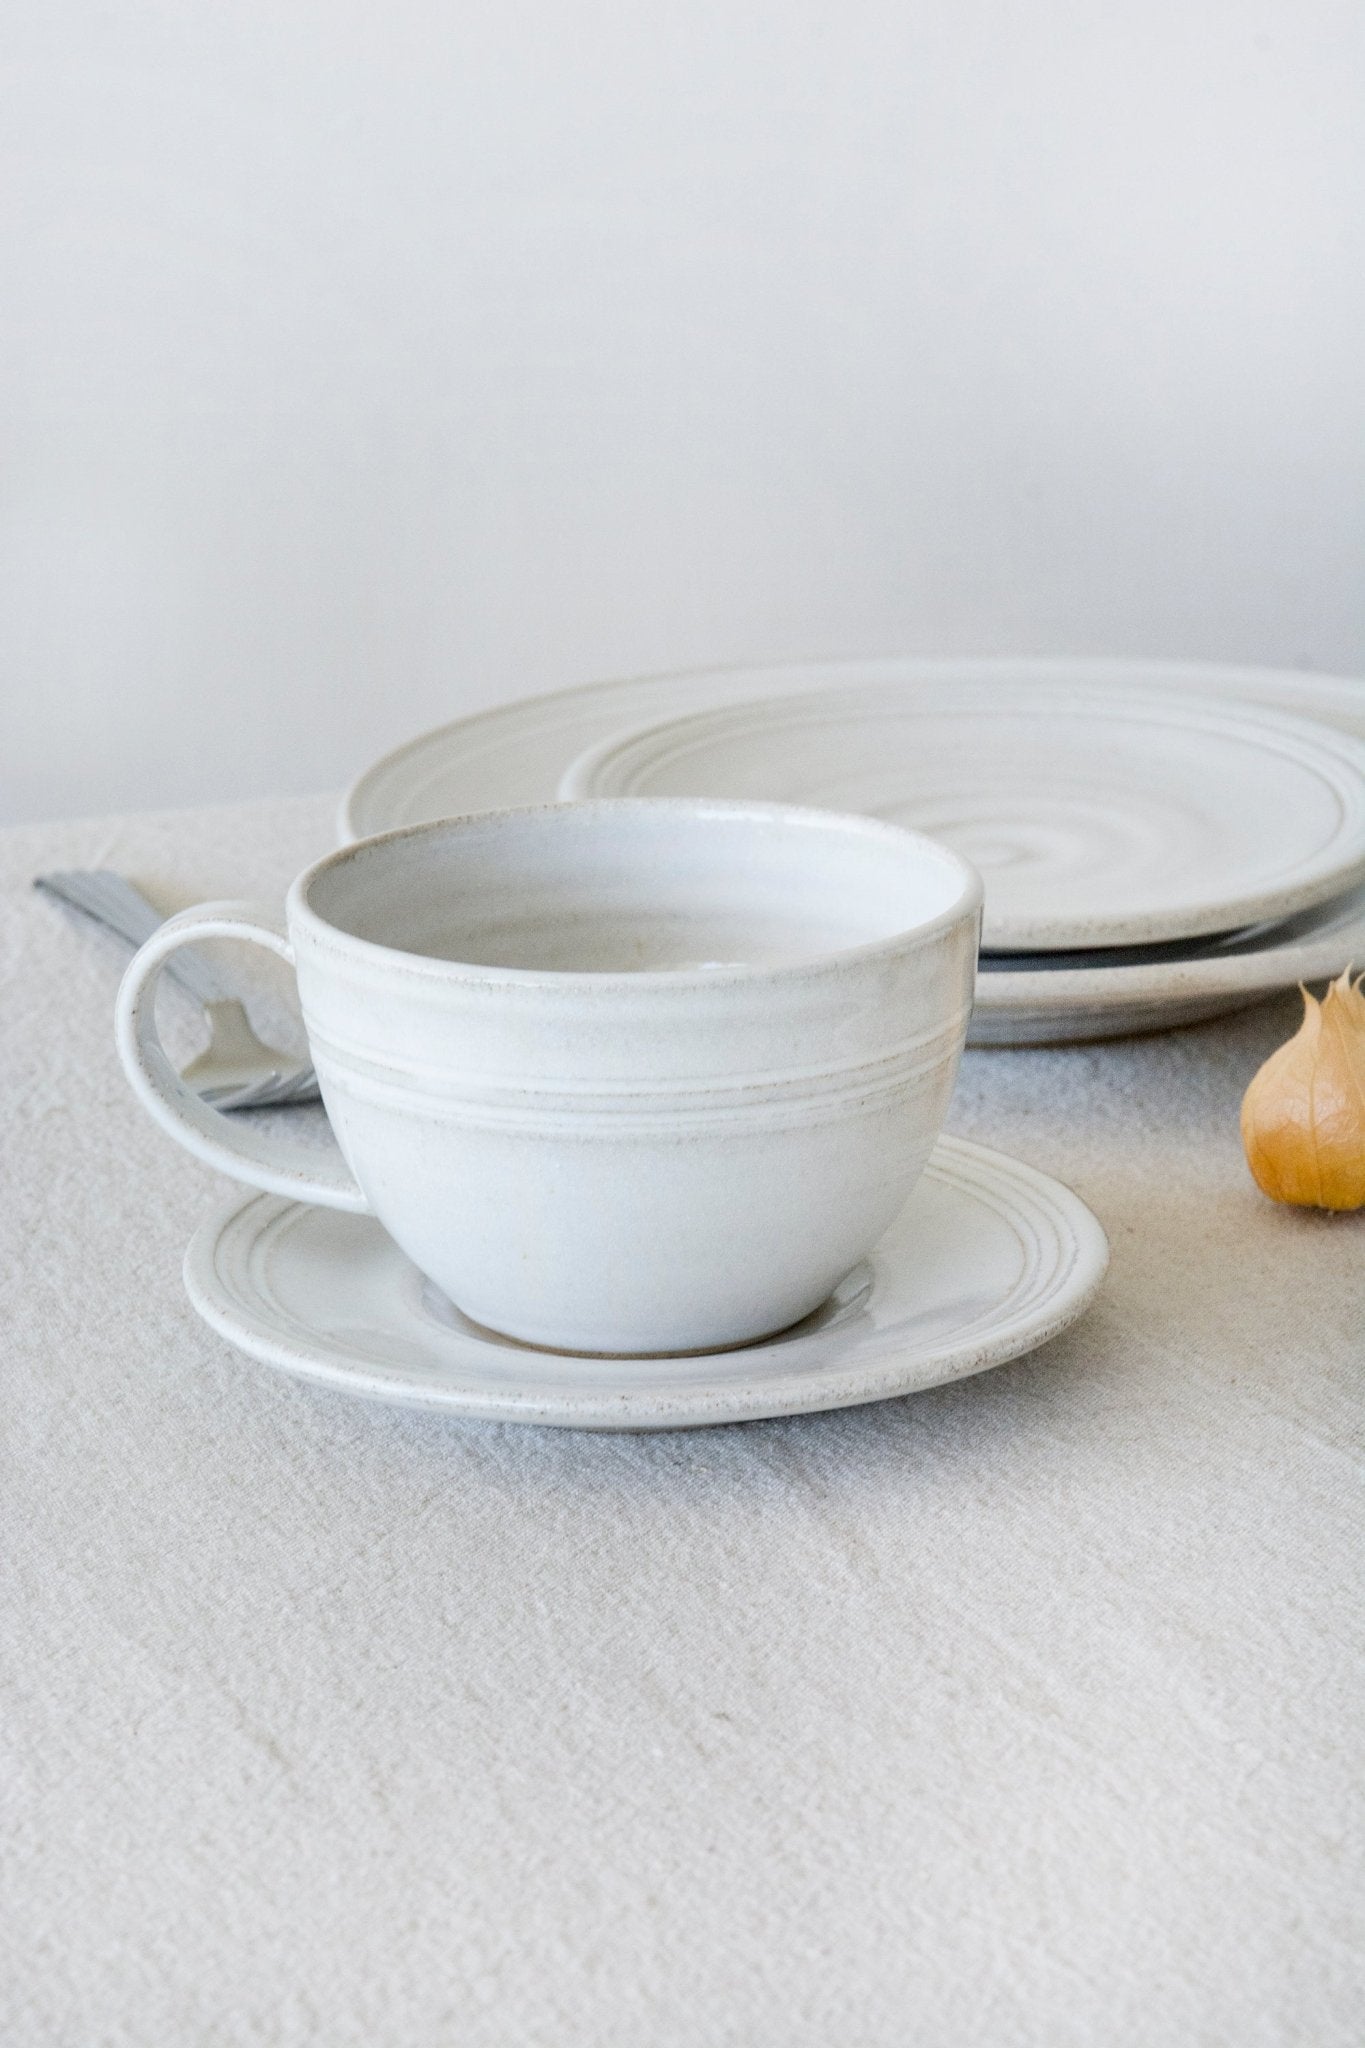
(637, 1076)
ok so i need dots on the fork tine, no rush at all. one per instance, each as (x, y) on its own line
(234, 1046)
(289, 1088)
(248, 1096)
(275, 1090)
(269, 1095)
(303, 1088)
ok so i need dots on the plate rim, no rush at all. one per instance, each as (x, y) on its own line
(1163, 672)
(880, 1378)
(1323, 750)
(1081, 997)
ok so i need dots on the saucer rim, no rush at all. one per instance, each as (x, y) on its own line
(762, 1396)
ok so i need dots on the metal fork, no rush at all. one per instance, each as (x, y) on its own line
(238, 1070)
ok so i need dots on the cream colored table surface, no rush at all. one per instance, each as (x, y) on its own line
(1027, 1711)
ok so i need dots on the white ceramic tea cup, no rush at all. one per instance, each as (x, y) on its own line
(625, 1076)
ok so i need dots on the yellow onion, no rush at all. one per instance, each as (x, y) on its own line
(1303, 1117)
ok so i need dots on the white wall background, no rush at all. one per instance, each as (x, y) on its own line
(369, 362)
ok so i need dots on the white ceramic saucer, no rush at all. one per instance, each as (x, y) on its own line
(1116, 818)
(988, 1259)
(517, 754)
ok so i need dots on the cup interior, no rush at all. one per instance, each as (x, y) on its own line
(640, 886)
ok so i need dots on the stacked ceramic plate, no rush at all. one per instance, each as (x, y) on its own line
(1160, 843)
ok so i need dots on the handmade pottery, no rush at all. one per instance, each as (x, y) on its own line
(1062, 998)
(518, 752)
(1097, 819)
(621, 1077)
(987, 1260)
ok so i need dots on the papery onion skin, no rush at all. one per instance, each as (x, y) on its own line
(1303, 1117)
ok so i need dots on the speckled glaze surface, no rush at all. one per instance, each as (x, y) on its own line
(1114, 819)
(625, 1077)
(987, 1260)
(518, 753)
(1057, 1004)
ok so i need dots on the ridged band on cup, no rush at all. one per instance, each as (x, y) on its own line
(787, 1097)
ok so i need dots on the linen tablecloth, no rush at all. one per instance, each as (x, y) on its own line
(1028, 1711)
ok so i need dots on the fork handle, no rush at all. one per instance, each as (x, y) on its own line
(263, 1159)
(114, 903)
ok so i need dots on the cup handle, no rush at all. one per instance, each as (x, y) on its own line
(276, 1163)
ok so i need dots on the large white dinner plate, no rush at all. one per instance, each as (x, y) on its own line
(1048, 1004)
(988, 1259)
(1097, 818)
(518, 753)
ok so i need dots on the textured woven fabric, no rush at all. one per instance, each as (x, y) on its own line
(1028, 1711)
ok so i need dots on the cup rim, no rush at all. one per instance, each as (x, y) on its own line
(301, 913)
